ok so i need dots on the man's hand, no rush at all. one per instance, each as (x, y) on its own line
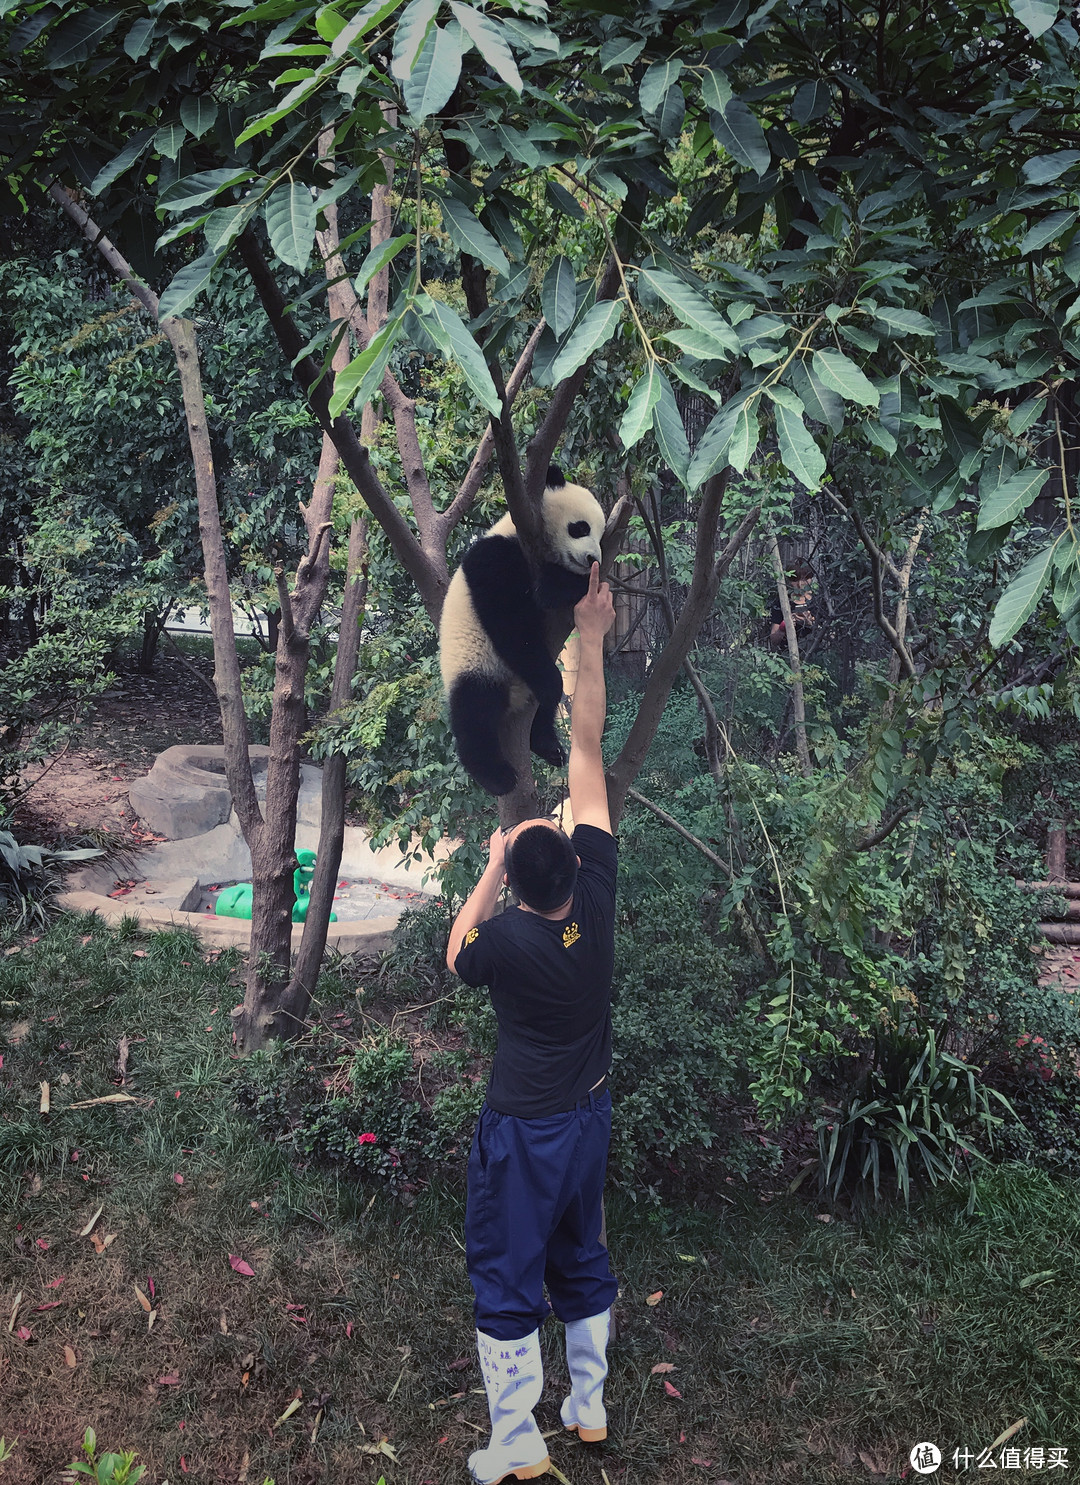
(497, 851)
(595, 614)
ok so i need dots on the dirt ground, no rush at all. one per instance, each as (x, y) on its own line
(86, 787)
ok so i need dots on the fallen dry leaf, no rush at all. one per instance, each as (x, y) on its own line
(661, 1367)
(150, 1319)
(101, 1243)
(670, 1390)
(70, 1357)
(1013, 1428)
(50, 1304)
(289, 1411)
(44, 1108)
(705, 1463)
(123, 1047)
(319, 1416)
(654, 1299)
(171, 1379)
(42, 1243)
(460, 1364)
(824, 1217)
(872, 1464)
(24, 1333)
(138, 954)
(14, 1312)
(142, 1298)
(178, 1178)
(238, 1264)
(88, 1229)
(224, 1324)
(55, 1283)
(88, 1103)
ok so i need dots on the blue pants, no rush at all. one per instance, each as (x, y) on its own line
(533, 1217)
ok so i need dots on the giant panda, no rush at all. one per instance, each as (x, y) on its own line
(493, 649)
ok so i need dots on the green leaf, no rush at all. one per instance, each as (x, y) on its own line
(715, 89)
(1050, 228)
(187, 286)
(1022, 417)
(292, 100)
(76, 37)
(639, 410)
(670, 433)
(194, 190)
(558, 297)
(169, 140)
(798, 450)
(469, 236)
(840, 374)
(450, 334)
(198, 112)
(692, 307)
(290, 221)
(710, 456)
(379, 257)
(435, 74)
(363, 376)
(362, 22)
(329, 23)
(490, 41)
(413, 26)
(137, 41)
(122, 162)
(597, 326)
(1037, 15)
(669, 116)
(619, 52)
(1010, 498)
(904, 321)
(742, 136)
(1021, 597)
(698, 343)
(811, 101)
(561, 199)
(819, 401)
(744, 437)
(658, 78)
(1041, 170)
(879, 436)
(223, 226)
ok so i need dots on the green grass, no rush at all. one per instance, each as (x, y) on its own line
(797, 1345)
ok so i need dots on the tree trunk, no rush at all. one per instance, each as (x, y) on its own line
(1055, 851)
(798, 705)
(152, 627)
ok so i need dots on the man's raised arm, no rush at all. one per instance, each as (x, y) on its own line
(594, 616)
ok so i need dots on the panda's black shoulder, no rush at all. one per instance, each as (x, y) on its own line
(498, 576)
(557, 587)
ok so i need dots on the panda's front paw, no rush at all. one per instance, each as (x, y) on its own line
(546, 745)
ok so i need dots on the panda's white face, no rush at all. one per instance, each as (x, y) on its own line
(574, 523)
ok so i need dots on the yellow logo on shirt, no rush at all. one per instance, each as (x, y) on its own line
(570, 935)
(472, 934)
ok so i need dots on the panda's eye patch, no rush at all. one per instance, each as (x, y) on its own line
(578, 528)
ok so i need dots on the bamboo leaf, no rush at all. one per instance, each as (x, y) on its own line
(1021, 597)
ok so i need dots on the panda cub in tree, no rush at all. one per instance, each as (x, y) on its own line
(493, 648)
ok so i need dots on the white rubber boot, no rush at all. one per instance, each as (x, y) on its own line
(514, 1380)
(586, 1356)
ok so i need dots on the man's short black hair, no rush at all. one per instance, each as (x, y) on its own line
(542, 867)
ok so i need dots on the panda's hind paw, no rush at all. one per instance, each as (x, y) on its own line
(549, 749)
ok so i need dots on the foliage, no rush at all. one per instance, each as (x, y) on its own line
(107, 1469)
(28, 879)
(911, 1111)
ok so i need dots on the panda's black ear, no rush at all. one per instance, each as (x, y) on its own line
(555, 477)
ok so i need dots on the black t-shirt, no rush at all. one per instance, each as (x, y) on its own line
(550, 983)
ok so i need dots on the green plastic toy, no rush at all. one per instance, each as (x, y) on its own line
(235, 902)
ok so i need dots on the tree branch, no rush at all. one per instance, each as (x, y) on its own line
(797, 701)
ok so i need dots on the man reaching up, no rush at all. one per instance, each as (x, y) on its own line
(539, 1155)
